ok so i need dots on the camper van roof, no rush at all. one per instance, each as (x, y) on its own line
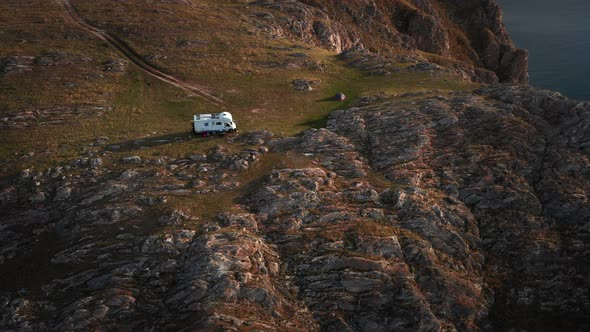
(222, 115)
(225, 115)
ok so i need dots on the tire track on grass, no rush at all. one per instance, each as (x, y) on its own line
(137, 59)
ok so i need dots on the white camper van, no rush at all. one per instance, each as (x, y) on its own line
(206, 124)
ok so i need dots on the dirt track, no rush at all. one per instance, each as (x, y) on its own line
(137, 59)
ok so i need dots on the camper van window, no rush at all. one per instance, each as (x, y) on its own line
(227, 124)
(206, 124)
(218, 124)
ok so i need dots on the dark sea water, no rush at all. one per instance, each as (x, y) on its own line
(557, 35)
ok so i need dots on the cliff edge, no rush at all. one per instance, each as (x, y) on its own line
(468, 31)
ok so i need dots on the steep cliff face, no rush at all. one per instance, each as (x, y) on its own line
(469, 31)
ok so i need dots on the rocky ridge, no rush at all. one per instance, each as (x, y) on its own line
(459, 211)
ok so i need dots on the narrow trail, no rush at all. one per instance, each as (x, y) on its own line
(137, 59)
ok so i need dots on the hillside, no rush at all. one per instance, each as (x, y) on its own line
(432, 198)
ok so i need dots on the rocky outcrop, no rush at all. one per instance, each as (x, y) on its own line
(499, 169)
(50, 116)
(462, 211)
(466, 30)
(377, 65)
(16, 64)
(303, 21)
(481, 22)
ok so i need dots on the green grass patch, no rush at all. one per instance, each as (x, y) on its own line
(233, 63)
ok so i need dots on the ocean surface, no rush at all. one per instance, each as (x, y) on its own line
(557, 35)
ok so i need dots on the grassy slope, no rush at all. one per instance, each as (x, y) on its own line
(230, 57)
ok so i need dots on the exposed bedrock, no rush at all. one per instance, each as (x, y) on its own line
(462, 211)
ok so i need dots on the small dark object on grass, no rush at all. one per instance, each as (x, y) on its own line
(339, 96)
